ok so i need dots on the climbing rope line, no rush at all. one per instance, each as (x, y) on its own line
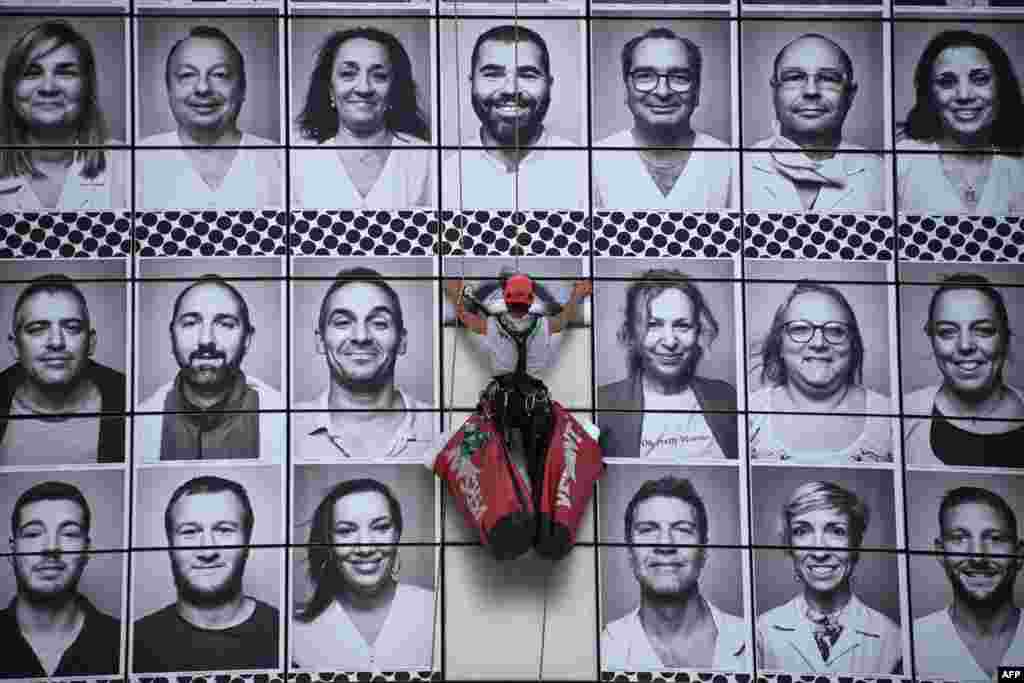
(461, 246)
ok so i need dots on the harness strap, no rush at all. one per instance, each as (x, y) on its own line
(521, 339)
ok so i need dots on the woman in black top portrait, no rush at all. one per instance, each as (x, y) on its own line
(976, 417)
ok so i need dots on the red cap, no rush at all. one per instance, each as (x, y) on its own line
(518, 290)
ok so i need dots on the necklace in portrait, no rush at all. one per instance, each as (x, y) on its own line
(966, 180)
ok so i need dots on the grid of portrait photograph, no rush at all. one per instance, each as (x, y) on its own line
(253, 269)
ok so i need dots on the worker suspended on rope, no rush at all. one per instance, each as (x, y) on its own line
(515, 509)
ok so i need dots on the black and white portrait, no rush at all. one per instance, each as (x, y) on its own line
(958, 106)
(52, 578)
(515, 89)
(66, 335)
(966, 6)
(666, 515)
(819, 346)
(211, 350)
(471, 360)
(64, 85)
(103, 489)
(825, 88)
(843, 613)
(675, 80)
(965, 598)
(364, 346)
(872, 486)
(208, 92)
(534, 8)
(354, 519)
(363, 94)
(813, 5)
(958, 338)
(666, 338)
(208, 602)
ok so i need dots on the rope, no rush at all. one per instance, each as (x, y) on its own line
(544, 621)
(516, 249)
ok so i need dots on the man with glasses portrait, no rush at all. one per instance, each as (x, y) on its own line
(670, 165)
(808, 166)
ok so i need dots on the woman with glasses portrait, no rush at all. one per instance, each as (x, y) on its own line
(975, 417)
(362, 101)
(826, 627)
(812, 362)
(967, 113)
(360, 617)
(51, 106)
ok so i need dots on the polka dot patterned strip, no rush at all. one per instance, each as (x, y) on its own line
(846, 237)
(652, 234)
(97, 234)
(211, 233)
(978, 239)
(364, 233)
(508, 233)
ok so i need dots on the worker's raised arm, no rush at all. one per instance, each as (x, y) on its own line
(580, 291)
(455, 290)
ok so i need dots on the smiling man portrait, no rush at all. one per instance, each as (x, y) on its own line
(510, 86)
(214, 166)
(671, 167)
(666, 525)
(982, 629)
(360, 331)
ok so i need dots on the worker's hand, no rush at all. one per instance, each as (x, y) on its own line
(582, 289)
(454, 288)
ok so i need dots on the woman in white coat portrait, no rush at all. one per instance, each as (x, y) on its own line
(362, 109)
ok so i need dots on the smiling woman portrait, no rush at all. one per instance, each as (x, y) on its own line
(969, 330)
(360, 618)
(812, 362)
(50, 99)
(826, 627)
(362, 101)
(967, 111)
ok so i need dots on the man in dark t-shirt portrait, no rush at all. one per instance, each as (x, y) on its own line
(214, 625)
(50, 629)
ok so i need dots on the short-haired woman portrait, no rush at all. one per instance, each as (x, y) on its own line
(363, 108)
(826, 627)
(811, 360)
(967, 112)
(50, 99)
(973, 416)
(360, 616)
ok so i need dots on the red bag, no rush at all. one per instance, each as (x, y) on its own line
(572, 466)
(487, 487)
